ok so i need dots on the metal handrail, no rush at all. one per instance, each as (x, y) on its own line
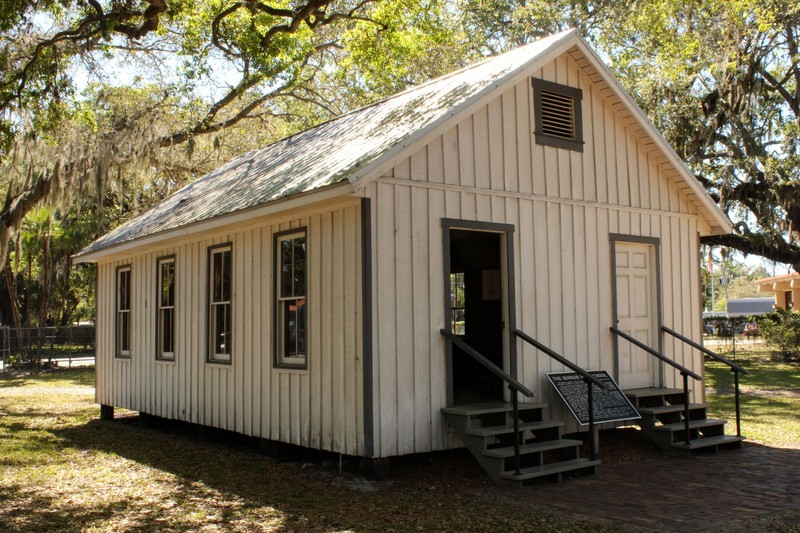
(685, 372)
(513, 385)
(496, 370)
(560, 358)
(587, 377)
(656, 354)
(733, 366)
(706, 351)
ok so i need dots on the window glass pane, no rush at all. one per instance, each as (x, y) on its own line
(457, 306)
(124, 331)
(299, 274)
(221, 330)
(216, 281)
(286, 268)
(166, 331)
(300, 328)
(288, 329)
(293, 334)
(167, 284)
(226, 275)
(124, 289)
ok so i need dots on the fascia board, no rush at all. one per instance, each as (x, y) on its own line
(721, 224)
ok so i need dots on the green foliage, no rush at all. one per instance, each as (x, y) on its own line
(782, 329)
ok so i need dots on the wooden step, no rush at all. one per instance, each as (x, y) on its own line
(489, 408)
(706, 442)
(491, 431)
(665, 409)
(693, 424)
(532, 447)
(533, 472)
(649, 392)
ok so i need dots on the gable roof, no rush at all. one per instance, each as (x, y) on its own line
(352, 146)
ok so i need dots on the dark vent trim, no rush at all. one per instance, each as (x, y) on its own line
(557, 115)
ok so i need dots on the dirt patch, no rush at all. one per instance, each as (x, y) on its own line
(751, 391)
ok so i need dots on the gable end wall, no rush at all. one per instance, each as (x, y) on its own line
(564, 206)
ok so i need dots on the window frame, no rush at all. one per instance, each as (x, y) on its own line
(211, 355)
(119, 352)
(280, 360)
(161, 355)
(546, 139)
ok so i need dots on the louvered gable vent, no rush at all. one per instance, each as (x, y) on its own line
(557, 117)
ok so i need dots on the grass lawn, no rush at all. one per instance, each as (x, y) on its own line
(770, 397)
(62, 469)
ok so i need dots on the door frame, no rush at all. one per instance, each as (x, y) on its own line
(655, 242)
(509, 309)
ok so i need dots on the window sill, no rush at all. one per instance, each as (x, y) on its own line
(291, 369)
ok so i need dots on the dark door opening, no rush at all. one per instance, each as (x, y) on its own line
(476, 313)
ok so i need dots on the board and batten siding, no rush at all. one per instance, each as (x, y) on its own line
(564, 206)
(321, 407)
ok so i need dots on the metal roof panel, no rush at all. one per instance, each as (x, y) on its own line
(323, 155)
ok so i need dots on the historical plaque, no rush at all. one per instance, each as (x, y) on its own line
(609, 405)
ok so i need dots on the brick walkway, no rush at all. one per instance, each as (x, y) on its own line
(682, 494)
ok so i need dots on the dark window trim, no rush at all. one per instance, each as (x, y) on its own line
(276, 358)
(159, 260)
(366, 317)
(211, 250)
(576, 94)
(117, 351)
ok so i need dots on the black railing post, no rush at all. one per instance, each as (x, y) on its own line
(592, 443)
(515, 411)
(738, 407)
(686, 407)
(736, 369)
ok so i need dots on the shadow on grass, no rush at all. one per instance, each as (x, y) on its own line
(83, 376)
(24, 512)
(441, 491)
(229, 471)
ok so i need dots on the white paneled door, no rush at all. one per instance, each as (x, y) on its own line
(636, 313)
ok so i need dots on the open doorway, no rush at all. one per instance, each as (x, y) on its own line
(477, 303)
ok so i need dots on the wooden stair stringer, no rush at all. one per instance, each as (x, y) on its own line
(663, 420)
(488, 433)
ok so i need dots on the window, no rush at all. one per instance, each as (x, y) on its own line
(165, 309)
(123, 324)
(219, 304)
(457, 306)
(290, 312)
(557, 113)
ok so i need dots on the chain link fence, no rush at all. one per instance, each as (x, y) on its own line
(62, 345)
(733, 336)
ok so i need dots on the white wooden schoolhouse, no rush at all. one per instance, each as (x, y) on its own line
(319, 291)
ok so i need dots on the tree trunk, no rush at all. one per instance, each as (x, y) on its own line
(11, 287)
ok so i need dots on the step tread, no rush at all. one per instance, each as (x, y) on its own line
(548, 469)
(693, 424)
(696, 444)
(475, 409)
(532, 447)
(648, 392)
(523, 426)
(663, 409)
